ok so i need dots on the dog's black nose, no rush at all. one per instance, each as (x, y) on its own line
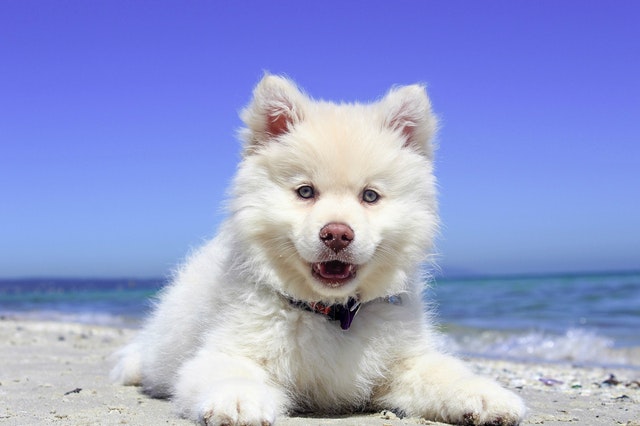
(336, 236)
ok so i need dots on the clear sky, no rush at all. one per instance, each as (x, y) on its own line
(118, 122)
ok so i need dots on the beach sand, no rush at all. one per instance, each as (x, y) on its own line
(57, 373)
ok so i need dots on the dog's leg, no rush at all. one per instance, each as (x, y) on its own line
(127, 371)
(216, 389)
(440, 387)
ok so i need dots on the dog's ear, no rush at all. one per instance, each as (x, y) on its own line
(407, 110)
(276, 107)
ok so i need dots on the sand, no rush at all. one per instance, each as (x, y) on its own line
(57, 373)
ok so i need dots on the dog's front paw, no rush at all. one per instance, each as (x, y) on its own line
(484, 402)
(238, 402)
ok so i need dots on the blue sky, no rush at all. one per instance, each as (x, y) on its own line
(118, 122)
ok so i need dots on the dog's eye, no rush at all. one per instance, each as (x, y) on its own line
(306, 192)
(370, 196)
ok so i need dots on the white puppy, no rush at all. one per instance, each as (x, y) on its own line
(332, 212)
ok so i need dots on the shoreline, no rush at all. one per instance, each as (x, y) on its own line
(54, 372)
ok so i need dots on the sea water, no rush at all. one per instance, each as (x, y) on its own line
(111, 302)
(589, 319)
(583, 319)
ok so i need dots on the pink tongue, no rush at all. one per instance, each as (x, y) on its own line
(333, 269)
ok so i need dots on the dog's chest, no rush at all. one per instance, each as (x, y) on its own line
(324, 365)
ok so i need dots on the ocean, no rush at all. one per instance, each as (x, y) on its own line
(589, 319)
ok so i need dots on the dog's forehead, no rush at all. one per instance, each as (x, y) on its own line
(333, 155)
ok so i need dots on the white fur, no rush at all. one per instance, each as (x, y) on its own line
(226, 344)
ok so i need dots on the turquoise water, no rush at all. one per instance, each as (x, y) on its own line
(119, 302)
(583, 319)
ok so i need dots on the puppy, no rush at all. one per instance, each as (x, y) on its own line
(310, 297)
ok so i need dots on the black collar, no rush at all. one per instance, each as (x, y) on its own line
(338, 312)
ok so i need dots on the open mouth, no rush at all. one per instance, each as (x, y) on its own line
(333, 273)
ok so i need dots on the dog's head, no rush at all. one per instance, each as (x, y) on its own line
(335, 200)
